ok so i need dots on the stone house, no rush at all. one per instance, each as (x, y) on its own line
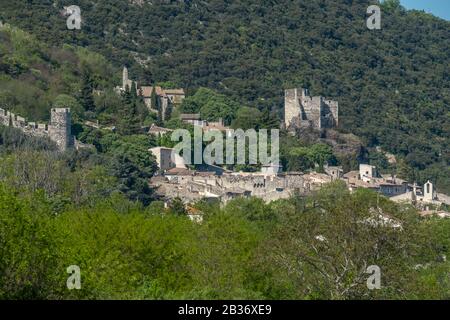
(167, 158)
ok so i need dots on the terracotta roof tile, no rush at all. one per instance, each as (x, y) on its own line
(147, 91)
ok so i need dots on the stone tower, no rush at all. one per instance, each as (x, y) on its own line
(302, 110)
(60, 128)
(125, 80)
(291, 106)
(428, 192)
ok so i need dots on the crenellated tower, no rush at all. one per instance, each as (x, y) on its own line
(303, 110)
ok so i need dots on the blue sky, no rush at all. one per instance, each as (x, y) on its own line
(440, 8)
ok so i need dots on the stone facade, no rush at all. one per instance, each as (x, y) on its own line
(167, 158)
(175, 96)
(126, 82)
(163, 103)
(423, 198)
(271, 185)
(367, 172)
(367, 177)
(192, 186)
(163, 100)
(59, 129)
(193, 118)
(429, 194)
(336, 173)
(302, 110)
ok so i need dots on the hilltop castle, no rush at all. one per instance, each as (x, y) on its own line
(301, 110)
(165, 98)
(58, 130)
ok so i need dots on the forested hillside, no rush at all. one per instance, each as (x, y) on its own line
(393, 84)
(33, 78)
(94, 208)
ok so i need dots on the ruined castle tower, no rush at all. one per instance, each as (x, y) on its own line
(302, 110)
(60, 128)
(291, 106)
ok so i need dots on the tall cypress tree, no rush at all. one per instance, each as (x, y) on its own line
(129, 121)
(154, 99)
(87, 97)
(269, 120)
(126, 96)
(133, 92)
(156, 105)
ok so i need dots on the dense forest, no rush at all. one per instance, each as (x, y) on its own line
(94, 208)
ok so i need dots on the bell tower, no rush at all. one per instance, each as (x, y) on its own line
(428, 191)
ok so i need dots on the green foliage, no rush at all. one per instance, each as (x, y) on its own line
(391, 5)
(378, 160)
(86, 97)
(268, 120)
(326, 246)
(33, 75)
(252, 209)
(168, 85)
(27, 253)
(315, 247)
(247, 118)
(122, 164)
(252, 118)
(66, 101)
(94, 208)
(129, 120)
(177, 207)
(12, 139)
(131, 163)
(210, 105)
(299, 159)
(304, 158)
